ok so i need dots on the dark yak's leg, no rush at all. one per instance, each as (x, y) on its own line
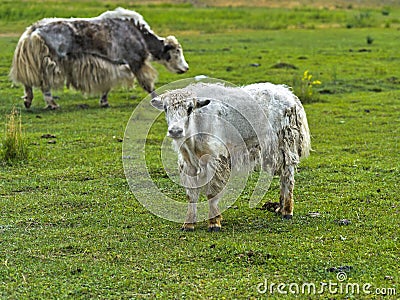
(146, 76)
(51, 104)
(191, 215)
(28, 97)
(286, 197)
(147, 85)
(104, 100)
(153, 94)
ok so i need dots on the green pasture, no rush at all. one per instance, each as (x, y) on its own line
(70, 228)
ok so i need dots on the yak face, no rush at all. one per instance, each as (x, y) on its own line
(172, 57)
(178, 108)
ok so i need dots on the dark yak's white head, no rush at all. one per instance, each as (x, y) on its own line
(169, 54)
(178, 106)
(172, 57)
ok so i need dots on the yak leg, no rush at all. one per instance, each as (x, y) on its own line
(104, 100)
(191, 215)
(48, 98)
(145, 83)
(153, 94)
(146, 76)
(286, 197)
(28, 97)
(214, 216)
(220, 171)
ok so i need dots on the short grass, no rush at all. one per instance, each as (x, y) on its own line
(70, 227)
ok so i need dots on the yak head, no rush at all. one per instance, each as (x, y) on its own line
(172, 56)
(178, 106)
(166, 51)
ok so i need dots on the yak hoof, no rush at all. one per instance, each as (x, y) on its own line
(187, 227)
(272, 207)
(27, 101)
(104, 105)
(153, 94)
(214, 229)
(27, 104)
(287, 217)
(214, 224)
(52, 107)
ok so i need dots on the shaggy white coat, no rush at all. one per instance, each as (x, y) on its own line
(233, 130)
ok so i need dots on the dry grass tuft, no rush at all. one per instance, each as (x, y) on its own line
(14, 148)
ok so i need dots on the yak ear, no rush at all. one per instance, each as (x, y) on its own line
(202, 102)
(157, 103)
(168, 47)
(170, 42)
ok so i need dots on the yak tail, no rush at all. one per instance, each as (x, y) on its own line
(295, 136)
(94, 74)
(304, 134)
(33, 64)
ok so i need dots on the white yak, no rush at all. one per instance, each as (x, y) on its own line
(219, 130)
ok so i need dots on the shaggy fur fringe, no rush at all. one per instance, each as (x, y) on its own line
(34, 65)
(146, 76)
(92, 74)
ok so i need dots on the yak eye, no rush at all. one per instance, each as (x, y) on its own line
(190, 109)
(165, 108)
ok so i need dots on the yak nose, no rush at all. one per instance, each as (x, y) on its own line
(175, 132)
(183, 70)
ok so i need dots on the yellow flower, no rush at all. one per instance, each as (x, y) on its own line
(316, 82)
(305, 75)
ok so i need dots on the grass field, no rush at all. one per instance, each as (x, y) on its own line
(70, 227)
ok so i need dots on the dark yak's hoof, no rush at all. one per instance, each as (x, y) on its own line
(287, 217)
(214, 229)
(27, 101)
(82, 106)
(153, 94)
(52, 107)
(27, 104)
(104, 105)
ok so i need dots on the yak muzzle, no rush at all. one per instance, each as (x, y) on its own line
(175, 132)
(183, 70)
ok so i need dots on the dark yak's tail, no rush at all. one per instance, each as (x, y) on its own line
(33, 64)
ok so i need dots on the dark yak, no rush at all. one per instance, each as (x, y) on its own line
(93, 55)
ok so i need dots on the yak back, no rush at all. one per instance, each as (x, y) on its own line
(236, 120)
(234, 107)
(117, 40)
